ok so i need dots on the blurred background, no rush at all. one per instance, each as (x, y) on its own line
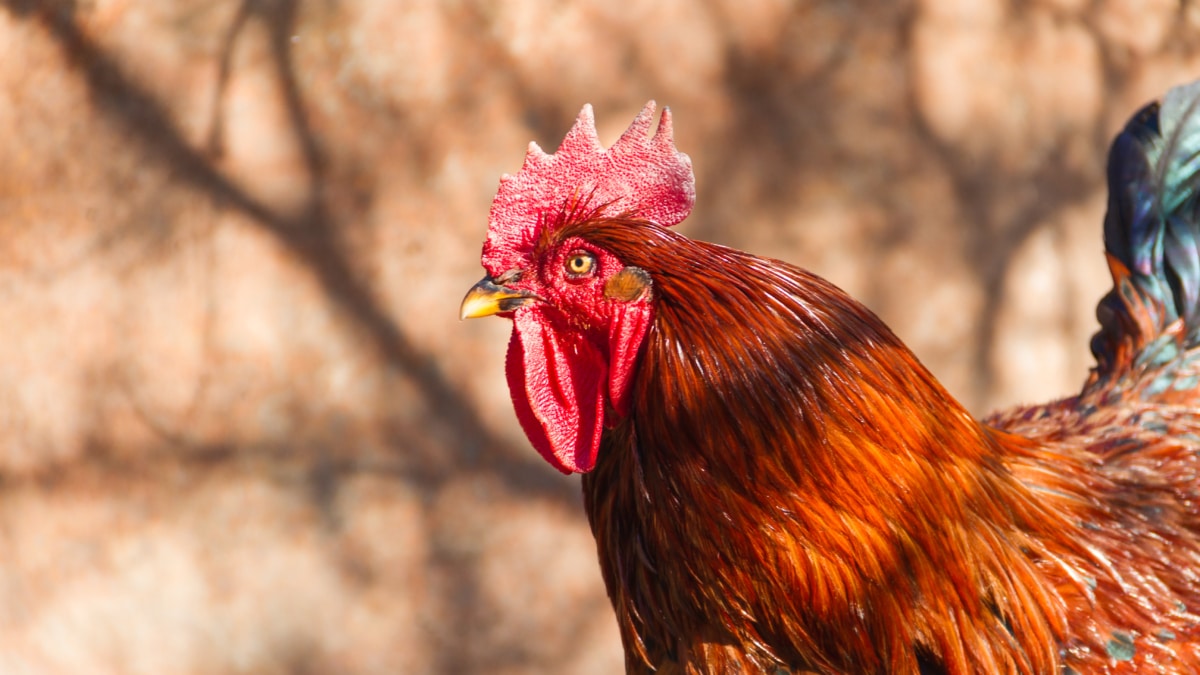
(241, 427)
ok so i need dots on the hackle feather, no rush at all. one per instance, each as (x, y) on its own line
(789, 490)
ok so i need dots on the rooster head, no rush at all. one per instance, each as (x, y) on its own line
(580, 315)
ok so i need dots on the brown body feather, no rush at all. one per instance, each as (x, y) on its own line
(792, 491)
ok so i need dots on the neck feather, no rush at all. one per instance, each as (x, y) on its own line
(792, 478)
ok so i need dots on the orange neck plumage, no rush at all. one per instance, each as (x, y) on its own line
(792, 479)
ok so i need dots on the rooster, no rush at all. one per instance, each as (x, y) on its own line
(777, 485)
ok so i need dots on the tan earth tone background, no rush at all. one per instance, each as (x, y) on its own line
(241, 427)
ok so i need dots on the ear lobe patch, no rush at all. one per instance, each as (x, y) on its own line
(631, 283)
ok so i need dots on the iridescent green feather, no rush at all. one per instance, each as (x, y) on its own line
(1152, 228)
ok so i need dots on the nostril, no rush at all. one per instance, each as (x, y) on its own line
(511, 276)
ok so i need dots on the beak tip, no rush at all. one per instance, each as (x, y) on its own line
(470, 309)
(486, 298)
(482, 300)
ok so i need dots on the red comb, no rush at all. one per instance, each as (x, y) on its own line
(640, 174)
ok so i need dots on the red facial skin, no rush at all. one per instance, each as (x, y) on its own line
(573, 350)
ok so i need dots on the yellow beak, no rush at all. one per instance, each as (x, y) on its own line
(486, 298)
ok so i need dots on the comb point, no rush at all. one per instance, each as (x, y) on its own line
(582, 136)
(664, 136)
(639, 129)
(534, 155)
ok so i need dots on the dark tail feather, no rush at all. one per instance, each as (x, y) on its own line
(1152, 237)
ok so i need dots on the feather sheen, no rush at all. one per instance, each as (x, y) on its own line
(781, 486)
(1152, 228)
(803, 495)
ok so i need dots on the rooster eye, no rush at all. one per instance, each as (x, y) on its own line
(580, 264)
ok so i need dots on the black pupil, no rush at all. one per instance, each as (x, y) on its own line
(579, 263)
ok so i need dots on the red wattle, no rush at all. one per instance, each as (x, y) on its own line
(626, 332)
(556, 379)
